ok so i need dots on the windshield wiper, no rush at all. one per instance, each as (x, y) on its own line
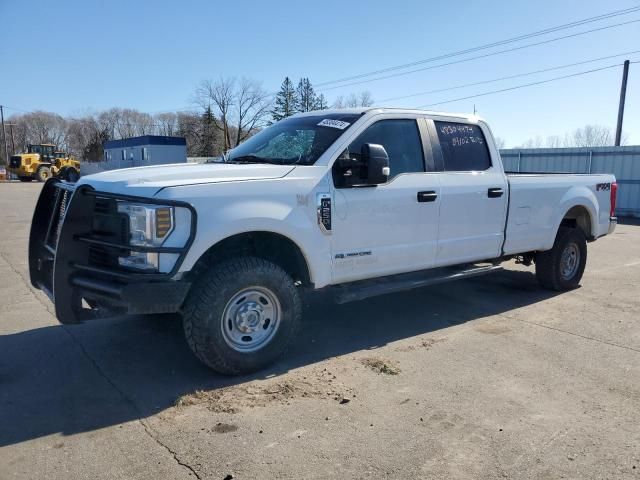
(249, 159)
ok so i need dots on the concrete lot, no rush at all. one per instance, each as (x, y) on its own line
(487, 378)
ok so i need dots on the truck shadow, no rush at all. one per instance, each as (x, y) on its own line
(81, 378)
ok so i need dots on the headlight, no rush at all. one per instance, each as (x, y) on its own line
(149, 225)
(154, 226)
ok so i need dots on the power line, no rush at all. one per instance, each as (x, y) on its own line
(440, 65)
(486, 46)
(439, 90)
(17, 109)
(520, 86)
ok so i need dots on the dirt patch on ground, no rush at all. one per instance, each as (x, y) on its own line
(381, 365)
(260, 393)
(425, 343)
(224, 428)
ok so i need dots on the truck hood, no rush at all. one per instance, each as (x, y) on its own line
(147, 181)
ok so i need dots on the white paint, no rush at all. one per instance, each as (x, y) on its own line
(403, 235)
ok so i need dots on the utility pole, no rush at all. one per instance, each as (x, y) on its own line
(623, 94)
(4, 136)
(13, 141)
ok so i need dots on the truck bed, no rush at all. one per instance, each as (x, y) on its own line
(539, 201)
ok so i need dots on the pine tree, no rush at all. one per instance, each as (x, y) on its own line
(207, 143)
(286, 101)
(307, 99)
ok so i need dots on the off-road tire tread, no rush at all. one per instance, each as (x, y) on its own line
(548, 262)
(202, 299)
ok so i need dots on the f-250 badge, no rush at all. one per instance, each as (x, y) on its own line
(603, 187)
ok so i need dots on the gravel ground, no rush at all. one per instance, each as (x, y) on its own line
(486, 378)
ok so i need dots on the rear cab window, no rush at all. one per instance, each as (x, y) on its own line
(463, 146)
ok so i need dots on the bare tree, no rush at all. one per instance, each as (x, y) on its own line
(365, 99)
(40, 127)
(79, 134)
(591, 136)
(252, 108)
(500, 143)
(587, 136)
(239, 106)
(353, 100)
(536, 142)
(166, 123)
(143, 123)
(554, 141)
(108, 120)
(218, 94)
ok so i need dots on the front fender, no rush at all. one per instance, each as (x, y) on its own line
(254, 215)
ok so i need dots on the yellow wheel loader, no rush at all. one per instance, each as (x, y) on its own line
(43, 161)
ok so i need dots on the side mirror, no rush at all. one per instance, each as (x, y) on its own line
(375, 161)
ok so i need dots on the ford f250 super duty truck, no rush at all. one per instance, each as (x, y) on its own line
(364, 202)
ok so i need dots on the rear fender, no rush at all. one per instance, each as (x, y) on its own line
(578, 196)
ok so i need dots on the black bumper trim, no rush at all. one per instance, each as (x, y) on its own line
(136, 298)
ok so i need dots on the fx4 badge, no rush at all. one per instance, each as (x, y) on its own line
(323, 206)
(603, 187)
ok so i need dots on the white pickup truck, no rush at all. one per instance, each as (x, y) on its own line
(364, 201)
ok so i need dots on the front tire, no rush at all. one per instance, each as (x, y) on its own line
(561, 268)
(241, 315)
(43, 174)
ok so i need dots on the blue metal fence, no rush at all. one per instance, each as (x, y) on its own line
(623, 162)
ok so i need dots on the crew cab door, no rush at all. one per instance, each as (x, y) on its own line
(391, 227)
(474, 193)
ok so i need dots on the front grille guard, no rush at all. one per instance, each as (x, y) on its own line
(46, 227)
(59, 249)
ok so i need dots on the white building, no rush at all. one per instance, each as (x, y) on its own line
(145, 150)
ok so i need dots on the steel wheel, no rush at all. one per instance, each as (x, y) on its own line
(250, 319)
(569, 261)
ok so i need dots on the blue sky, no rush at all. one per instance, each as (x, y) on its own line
(83, 56)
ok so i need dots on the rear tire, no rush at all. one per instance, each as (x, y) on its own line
(241, 315)
(43, 174)
(561, 268)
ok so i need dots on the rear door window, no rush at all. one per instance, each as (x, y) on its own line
(464, 148)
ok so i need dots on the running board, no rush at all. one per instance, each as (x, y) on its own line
(354, 291)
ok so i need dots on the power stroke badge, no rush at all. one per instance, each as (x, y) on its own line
(323, 205)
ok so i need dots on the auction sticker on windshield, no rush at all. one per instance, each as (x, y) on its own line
(339, 124)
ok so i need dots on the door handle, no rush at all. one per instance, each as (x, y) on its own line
(428, 196)
(495, 192)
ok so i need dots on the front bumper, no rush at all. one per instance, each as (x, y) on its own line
(62, 251)
(613, 221)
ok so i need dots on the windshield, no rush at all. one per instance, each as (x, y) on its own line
(293, 141)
